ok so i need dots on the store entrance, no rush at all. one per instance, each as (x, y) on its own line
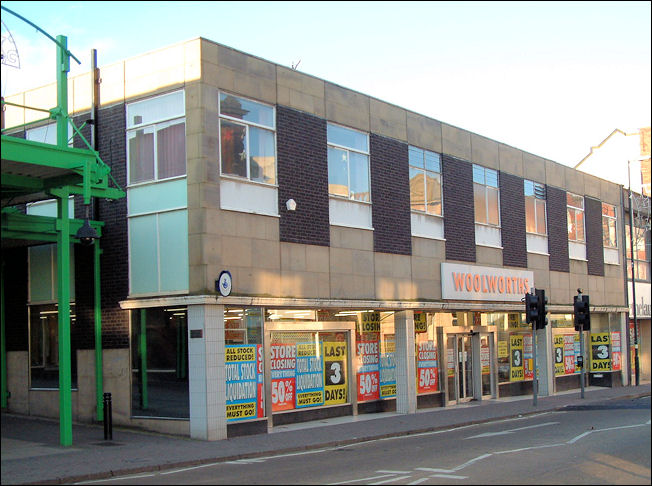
(470, 372)
(460, 367)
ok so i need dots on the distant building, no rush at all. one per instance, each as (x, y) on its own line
(624, 157)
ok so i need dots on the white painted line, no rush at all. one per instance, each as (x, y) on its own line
(394, 472)
(528, 448)
(448, 476)
(398, 478)
(362, 479)
(419, 481)
(122, 478)
(575, 439)
(432, 469)
(468, 463)
(503, 432)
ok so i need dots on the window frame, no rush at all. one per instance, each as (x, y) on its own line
(613, 218)
(425, 173)
(485, 188)
(537, 199)
(348, 150)
(576, 210)
(246, 124)
(154, 126)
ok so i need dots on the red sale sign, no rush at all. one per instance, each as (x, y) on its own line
(368, 370)
(283, 364)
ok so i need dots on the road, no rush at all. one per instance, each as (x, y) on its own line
(606, 443)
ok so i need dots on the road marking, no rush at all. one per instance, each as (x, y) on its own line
(418, 481)
(121, 478)
(504, 432)
(448, 476)
(394, 472)
(575, 439)
(362, 479)
(398, 478)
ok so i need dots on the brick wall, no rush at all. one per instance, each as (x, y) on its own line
(390, 195)
(593, 231)
(302, 176)
(459, 216)
(512, 220)
(557, 229)
(114, 260)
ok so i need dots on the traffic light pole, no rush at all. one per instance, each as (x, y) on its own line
(582, 368)
(535, 384)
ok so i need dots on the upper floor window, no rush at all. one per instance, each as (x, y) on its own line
(247, 139)
(575, 217)
(535, 208)
(156, 138)
(348, 163)
(485, 196)
(641, 253)
(609, 233)
(425, 181)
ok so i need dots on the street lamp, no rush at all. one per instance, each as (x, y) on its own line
(631, 249)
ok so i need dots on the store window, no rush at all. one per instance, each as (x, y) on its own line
(247, 139)
(641, 253)
(159, 362)
(535, 208)
(515, 348)
(427, 352)
(609, 225)
(575, 217)
(243, 337)
(348, 163)
(485, 196)
(157, 195)
(44, 346)
(156, 138)
(425, 181)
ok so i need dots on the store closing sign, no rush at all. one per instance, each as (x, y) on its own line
(600, 352)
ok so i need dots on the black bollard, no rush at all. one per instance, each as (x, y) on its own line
(108, 421)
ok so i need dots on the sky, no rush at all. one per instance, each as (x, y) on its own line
(550, 78)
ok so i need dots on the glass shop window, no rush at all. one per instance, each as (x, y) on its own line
(159, 362)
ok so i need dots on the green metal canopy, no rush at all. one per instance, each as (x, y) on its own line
(34, 171)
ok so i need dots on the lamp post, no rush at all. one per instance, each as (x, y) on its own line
(631, 247)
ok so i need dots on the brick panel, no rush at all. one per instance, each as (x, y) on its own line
(594, 244)
(115, 257)
(459, 216)
(390, 195)
(512, 220)
(302, 176)
(557, 229)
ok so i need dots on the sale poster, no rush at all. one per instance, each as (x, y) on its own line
(516, 372)
(558, 352)
(243, 382)
(368, 354)
(616, 351)
(427, 367)
(335, 386)
(528, 357)
(569, 354)
(600, 352)
(283, 364)
(388, 368)
(309, 375)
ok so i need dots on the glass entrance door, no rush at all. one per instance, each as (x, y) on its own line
(460, 367)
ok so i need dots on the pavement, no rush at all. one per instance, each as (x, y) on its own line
(31, 453)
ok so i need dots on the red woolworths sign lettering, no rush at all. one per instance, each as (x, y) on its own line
(471, 282)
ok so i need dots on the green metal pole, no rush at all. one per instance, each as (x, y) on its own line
(99, 382)
(4, 347)
(144, 402)
(63, 282)
(63, 67)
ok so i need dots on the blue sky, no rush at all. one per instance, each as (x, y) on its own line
(551, 78)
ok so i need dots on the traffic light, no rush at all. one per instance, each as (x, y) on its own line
(542, 320)
(531, 308)
(582, 313)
